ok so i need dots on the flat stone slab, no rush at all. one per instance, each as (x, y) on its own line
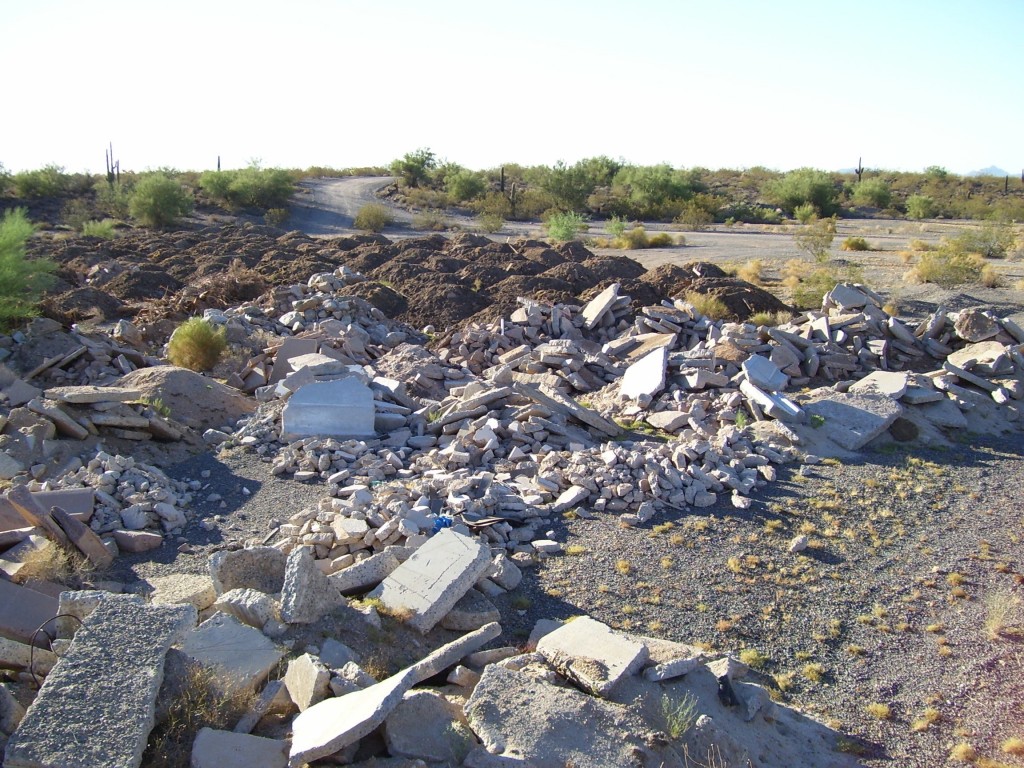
(23, 611)
(426, 726)
(429, 584)
(542, 724)
(853, 420)
(886, 383)
(597, 306)
(361, 576)
(226, 749)
(183, 589)
(342, 408)
(763, 373)
(646, 376)
(335, 723)
(240, 656)
(89, 394)
(591, 654)
(97, 706)
(259, 568)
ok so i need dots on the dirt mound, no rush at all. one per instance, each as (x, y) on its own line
(195, 400)
(83, 304)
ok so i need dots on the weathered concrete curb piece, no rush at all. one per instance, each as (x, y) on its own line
(430, 583)
(333, 724)
(97, 706)
(224, 749)
(590, 653)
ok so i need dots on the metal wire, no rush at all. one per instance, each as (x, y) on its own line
(49, 642)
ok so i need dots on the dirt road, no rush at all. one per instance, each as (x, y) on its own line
(328, 206)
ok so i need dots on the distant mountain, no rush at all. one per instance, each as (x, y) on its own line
(990, 171)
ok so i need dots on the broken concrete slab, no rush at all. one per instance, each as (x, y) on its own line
(543, 724)
(472, 611)
(426, 726)
(591, 654)
(342, 408)
(429, 584)
(83, 395)
(853, 420)
(775, 405)
(292, 347)
(226, 749)
(364, 574)
(137, 541)
(763, 373)
(249, 606)
(15, 655)
(259, 568)
(241, 657)
(11, 711)
(77, 502)
(599, 305)
(336, 654)
(888, 383)
(24, 611)
(974, 325)
(307, 594)
(183, 589)
(335, 723)
(91, 712)
(669, 421)
(943, 413)
(307, 681)
(645, 377)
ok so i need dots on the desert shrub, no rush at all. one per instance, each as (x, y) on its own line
(921, 207)
(752, 271)
(563, 227)
(414, 167)
(873, 192)
(22, 280)
(922, 245)
(616, 226)
(251, 187)
(113, 199)
(75, 212)
(464, 185)
(372, 217)
(196, 344)
(707, 305)
(158, 200)
(633, 239)
(490, 222)
(855, 244)
(989, 277)
(805, 213)
(422, 197)
(694, 217)
(768, 318)
(992, 240)
(103, 229)
(947, 267)
(661, 240)
(809, 283)
(433, 221)
(815, 238)
(804, 185)
(48, 181)
(275, 217)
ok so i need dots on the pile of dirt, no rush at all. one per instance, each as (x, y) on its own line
(433, 280)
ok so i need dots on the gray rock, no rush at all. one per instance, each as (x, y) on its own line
(471, 612)
(307, 681)
(307, 595)
(226, 749)
(336, 654)
(886, 383)
(364, 574)
(974, 325)
(239, 656)
(249, 606)
(851, 420)
(646, 376)
(591, 654)
(426, 726)
(259, 568)
(92, 712)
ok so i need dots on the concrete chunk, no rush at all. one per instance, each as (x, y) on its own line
(430, 583)
(240, 656)
(225, 749)
(182, 589)
(259, 568)
(853, 420)
(426, 726)
(342, 408)
(591, 654)
(307, 595)
(333, 724)
(645, 377)
(24, 610)
(471, 612)
(249, 606)
(307, 681)
(599, 305)
(763, 373)
(90, 394)
(92, 713)
(138, 541)
(364, 574)
(886, 383)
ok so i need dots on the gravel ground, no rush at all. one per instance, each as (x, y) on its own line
(912, 552)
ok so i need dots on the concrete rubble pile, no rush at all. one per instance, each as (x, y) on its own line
(582, 693)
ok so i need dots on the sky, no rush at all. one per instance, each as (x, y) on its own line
(903, 84)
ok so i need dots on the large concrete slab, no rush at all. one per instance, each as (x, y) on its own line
(342, 408)
(333, 724)
(97, 706)
(259, 568)
(291, 347)
(430, 583)
(853, 420)
(23, 611)
(308, 595)
(763, 373)
(591, 654)
(888, 383)
(225, 749)
(646, 376)
(596, 307)
(241, 657)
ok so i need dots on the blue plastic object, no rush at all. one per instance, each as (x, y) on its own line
(442, 521)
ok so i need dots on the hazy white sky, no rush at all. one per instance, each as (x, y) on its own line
(784, 83)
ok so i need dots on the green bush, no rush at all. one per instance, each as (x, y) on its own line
(275, 217)
(563, 227)
(815, 239)
(414, 167)
(804, 185)
(992, 240)
(49, 181)
(490, 223)
(158, 200)
(661, 240)
(372, 217)
(263, 188)
(113, 199)
(855, 244)
(694, 218)
(22, 280)
(873, 192)
(921, 207)
(947, 267)
(805, 213)
(464, 185)
(431, 221)
(196, 344)
(616, 226)
(103, 229)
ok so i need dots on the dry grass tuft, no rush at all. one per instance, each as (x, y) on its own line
(1001, 609)
(879, 711)
(752, 271)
